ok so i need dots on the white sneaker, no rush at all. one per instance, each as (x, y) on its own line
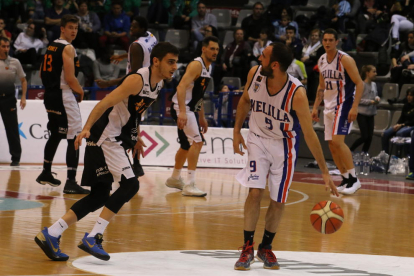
(175, 183)
(349, 190)
(343, 184)
(192, 190)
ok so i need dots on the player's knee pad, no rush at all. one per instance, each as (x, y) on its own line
(92, 202)
(127, 190)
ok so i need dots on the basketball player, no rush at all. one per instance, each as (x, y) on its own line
(279, 109)
(106, 160)
(340, 87)
(138, 57)
(187, 107)
(58, 77)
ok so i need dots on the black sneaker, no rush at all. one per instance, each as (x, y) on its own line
(72, 187)
(138, 170)
(47, 178)
(15, 163)
(353, 185)
(343, 184)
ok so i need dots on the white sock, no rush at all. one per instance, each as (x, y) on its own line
(176, 174)
(57, 228)
(190, 176)
(346, 175)
(99, 227)
(352, 172)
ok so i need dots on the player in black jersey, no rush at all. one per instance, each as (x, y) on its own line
(105, 159)
(187, 106)
(58, 77)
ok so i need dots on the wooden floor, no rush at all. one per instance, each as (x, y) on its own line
(159, 219)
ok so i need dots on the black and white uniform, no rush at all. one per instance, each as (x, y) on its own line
(147, 43)
(193, 100)
(60, 102)
(105, 158)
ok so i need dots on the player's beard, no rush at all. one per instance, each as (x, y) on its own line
(267, 71)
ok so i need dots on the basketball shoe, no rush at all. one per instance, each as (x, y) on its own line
(175, 183)
(192, 190)
(72, 187)
(47, 178)
(94, 247)
(343, 184)
(352, 186)
(50, 245)
(265, 255)
(246, 257)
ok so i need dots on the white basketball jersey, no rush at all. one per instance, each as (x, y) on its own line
(339, 88)
(272, 116)
(147, 43)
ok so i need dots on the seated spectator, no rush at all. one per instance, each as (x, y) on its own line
(368, 15)
(158, 12)
(28, 44)
(131, 7)
(200, 22)
(89, 26)
(116, 28)
(286, 11)
(181, 13)
(297, 70)
(100, 7)
(253, 24)
(367, 108)
(280, 27)
(405, 123)
(266, 38)
(52, 19)
(103, 68)
(3, 32)
(36, 9)
(293, 42)
(341, 11)
(403, 59)
(236, 56)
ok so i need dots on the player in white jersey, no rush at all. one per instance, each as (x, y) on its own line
(106, 160)
(279, 110)
(187, 106)
(340, 87)
(138, 56)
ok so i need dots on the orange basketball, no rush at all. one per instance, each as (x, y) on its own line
(327, 217)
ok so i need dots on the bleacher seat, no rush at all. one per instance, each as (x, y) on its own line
(90, 53)
(210, 87)
(308, 14)
(389, 92)
(403, 92)
(382, 121)
(233, 81)
(242, 15)
(178, 38)
(228, 38)
(81, 79)
(35, 78)
(223, 17)
(315, 4)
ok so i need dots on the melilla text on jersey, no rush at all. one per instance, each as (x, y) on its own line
(332, 74)
(268, 109)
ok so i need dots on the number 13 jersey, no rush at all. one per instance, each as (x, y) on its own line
(272, 116)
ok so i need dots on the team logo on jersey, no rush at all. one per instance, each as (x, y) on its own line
(139, 105)
(259, 78)
(253, 177)
(256, 86)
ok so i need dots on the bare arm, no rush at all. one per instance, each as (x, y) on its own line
(318, 99)
(49, 21)
(243, 108)
(300, 104)
(24, 91)
(137, 57)
(69, 71)
(352, 70)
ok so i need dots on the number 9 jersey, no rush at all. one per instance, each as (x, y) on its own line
(272, 116)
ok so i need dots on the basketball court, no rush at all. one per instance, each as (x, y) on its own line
(160, 232)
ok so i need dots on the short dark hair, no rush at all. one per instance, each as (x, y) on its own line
(4, 39)
(292, 28)
(201, 2)
(207, 40)
(162, 49)
(331, 31)
(258, 3)
(282, 54)
(410, 91)
(116, 2)
(68, 18)
(142, 21)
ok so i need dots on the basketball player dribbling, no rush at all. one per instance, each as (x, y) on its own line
(340, 87)
(279, 109)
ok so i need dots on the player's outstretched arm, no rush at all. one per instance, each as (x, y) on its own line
(243, 108)
(352, 70)
(301, 107)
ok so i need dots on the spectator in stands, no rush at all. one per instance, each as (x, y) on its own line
(342, 10)
(402, 21)
(367, 108)
(402, 59)
(131, 7)
(310, 56)
(280, 27)
(287, 14)
(367, 17)
(297, 70)
(3, 32)
(52, 19)
(89, 26)
(181, 12)
(100, 7)
(103, 68)
(266, 38)
(36, 9)
(158, 11)
(236, 56)
(405, 123)
(28, 44)
(293, 42)
(200, 22)
(253, 24)
(116, 26)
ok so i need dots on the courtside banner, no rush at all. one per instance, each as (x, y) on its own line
(161, 141)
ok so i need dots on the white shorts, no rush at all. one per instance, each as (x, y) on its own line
(275, 158)
(72, 113)
(336, 122)
(191, 130)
